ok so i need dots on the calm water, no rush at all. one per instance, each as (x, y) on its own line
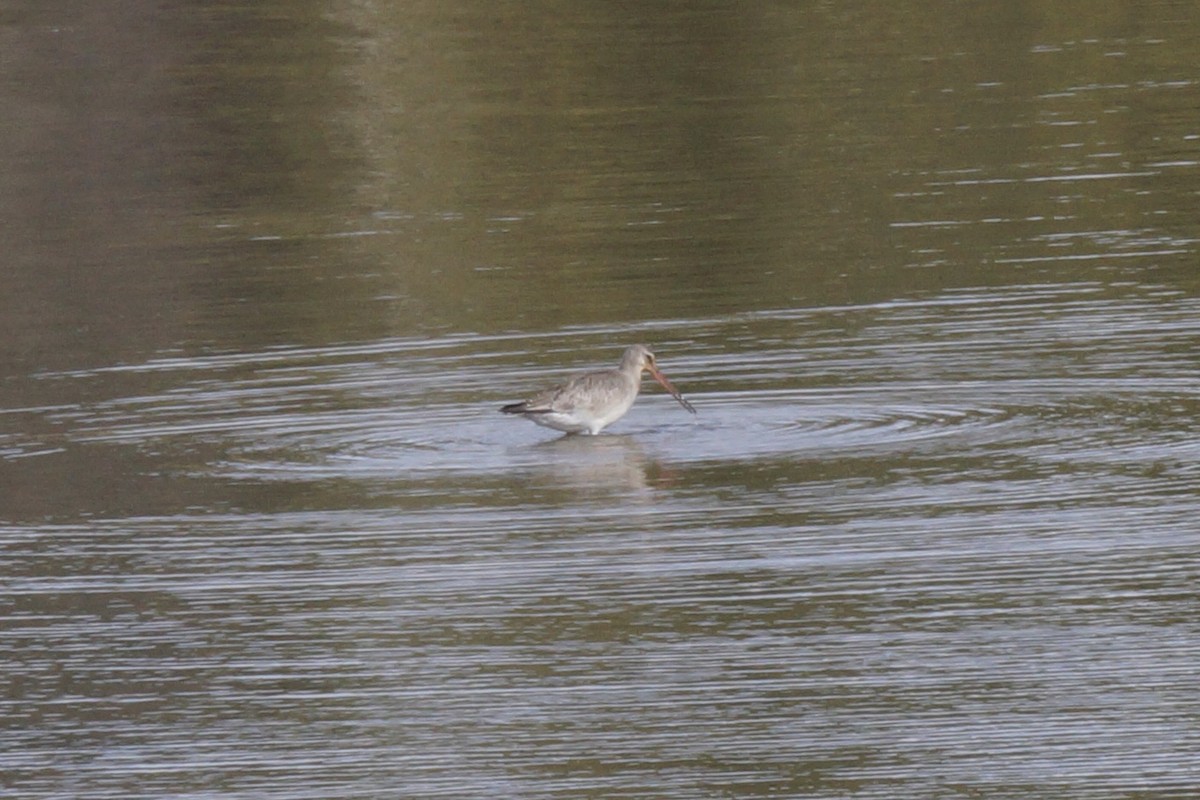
(929, 276)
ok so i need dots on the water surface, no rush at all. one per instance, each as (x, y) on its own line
(929, 280)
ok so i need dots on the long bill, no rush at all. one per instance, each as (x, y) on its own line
(666, 384)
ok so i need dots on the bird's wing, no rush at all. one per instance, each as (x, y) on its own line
(591, 390)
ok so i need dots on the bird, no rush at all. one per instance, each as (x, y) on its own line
(590, 402)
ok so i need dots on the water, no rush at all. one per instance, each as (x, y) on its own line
(932, 288)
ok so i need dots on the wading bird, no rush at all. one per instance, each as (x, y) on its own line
(589, 402)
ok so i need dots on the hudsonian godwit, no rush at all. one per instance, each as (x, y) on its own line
(588, 403)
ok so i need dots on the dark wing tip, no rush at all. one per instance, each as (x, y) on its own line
(523, 408)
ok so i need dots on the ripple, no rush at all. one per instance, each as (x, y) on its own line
(1099, 376)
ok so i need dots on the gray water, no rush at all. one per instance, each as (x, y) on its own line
(928, 275)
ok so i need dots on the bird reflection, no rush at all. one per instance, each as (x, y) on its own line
(599, 464)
